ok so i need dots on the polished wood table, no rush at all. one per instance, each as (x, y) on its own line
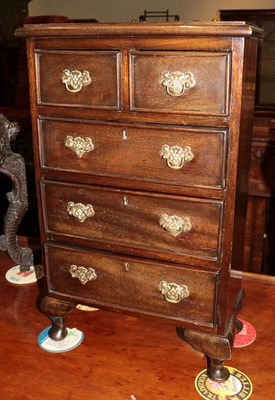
(120, 356)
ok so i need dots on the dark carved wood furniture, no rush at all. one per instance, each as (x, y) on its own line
(13, 166)
(260, 224)
(141, 134)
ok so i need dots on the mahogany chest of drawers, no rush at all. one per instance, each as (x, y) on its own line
(142, 140)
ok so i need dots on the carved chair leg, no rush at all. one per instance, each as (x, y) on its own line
(13, 165)
(56, 311)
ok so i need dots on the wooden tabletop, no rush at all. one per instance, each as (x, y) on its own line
(121, 357)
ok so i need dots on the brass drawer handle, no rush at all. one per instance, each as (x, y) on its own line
(177, 82)
(75, 80)
(173, 293)
(79, 145)
(80, 211)
(83, 274)
(176, 156)
(174, 224)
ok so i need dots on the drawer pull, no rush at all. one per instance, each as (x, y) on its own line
(174, 224)
(79, 145)
(173, 293)
(83, 274)
(75, 80)
(176, 156)
(177, 82)
(80, 211)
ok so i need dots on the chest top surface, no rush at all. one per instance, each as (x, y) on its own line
(207, 28)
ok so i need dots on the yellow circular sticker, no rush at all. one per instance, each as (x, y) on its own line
(237, 387)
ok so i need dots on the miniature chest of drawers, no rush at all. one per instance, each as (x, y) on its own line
(141, 137)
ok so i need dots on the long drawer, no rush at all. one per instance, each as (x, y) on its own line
(172, 155)
(167, 224)
(79, 78)
(155, 288)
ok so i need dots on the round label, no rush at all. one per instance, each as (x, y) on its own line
(246, 336)
(72, 340)
(14, 275)
(237, 387)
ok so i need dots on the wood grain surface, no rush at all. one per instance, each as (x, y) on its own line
(121, 357)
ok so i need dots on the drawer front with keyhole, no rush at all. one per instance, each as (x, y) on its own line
(102, 279)
(166, 225)
(159, 154)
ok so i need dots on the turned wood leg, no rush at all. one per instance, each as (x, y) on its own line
(236, 310)
(56, 310)
(216, 348)
(216, 370)
(239, 326)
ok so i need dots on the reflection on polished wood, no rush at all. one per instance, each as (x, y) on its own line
(121, 357)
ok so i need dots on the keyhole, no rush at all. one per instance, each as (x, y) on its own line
(125, 200)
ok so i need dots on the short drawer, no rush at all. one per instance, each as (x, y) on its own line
(160, 154)
(170, 291)
(79, 78)
(166, 225)
(183, 82)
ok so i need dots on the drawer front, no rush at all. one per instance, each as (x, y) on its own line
(78, 78)
(181, 156)
(165, 290)
(185, 82)
(166, 224)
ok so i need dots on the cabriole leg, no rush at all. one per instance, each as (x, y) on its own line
(216, 348)
(56, 310)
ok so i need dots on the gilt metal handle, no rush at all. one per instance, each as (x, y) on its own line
(173, 293)
(75, 80)
(79, 145)
(177, 82)
(174, 224)
(176, 156)
(80, 211)
(83, 274)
